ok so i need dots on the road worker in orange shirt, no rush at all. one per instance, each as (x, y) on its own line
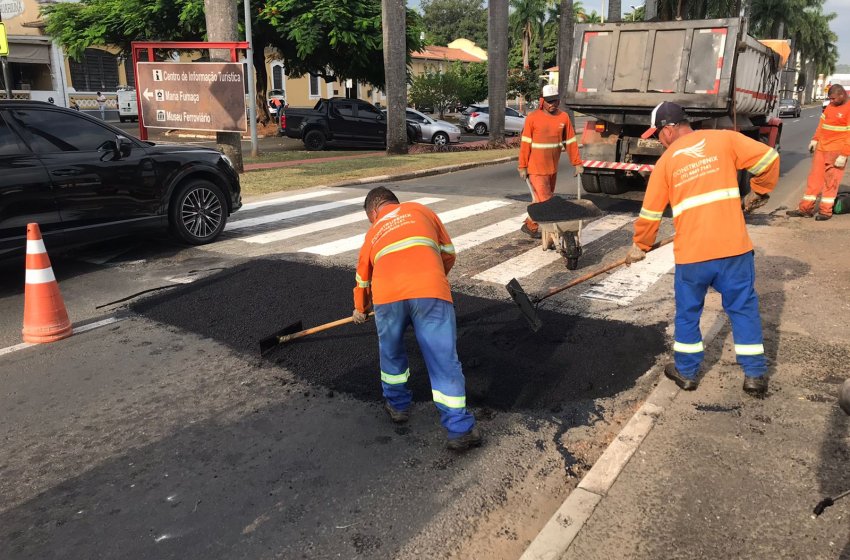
(831, 147)
(547, 132)
(402, 270)
(697, 176)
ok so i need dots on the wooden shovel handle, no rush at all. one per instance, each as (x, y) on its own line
(597, 272)
(319, 328)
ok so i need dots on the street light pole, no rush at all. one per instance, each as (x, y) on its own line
(252, 84)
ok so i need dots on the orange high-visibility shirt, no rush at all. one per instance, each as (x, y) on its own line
(697, 176)
(833, 131)
(406, 254)
(544, 137)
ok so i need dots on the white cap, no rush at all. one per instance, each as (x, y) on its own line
(549, 90)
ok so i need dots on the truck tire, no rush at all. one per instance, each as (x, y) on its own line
(315, 140)
(613, 184)
(590, 182)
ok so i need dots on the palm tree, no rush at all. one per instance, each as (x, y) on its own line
(565, 45)
(525, 22)
(615, 8)
(497, 67)
(395, 73)
(592, 17)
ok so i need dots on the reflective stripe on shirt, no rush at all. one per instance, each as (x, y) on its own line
(572, 140)
(705, 198)
(764, 162)
(526, 139)
(407, 244)
(449, 249)
(650, 215)
(546, 145)
(360, 282)
(835, 128)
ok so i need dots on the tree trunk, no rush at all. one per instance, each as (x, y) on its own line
(262, 83)
(565, 47)
(395, 73)
(221, 21)
(614, 10)
(650, 12)
(541, 56)
(497, 64)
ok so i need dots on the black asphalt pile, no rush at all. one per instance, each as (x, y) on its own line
(507, 366)
(558, 209)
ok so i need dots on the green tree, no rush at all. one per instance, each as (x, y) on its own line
(447, 20)
(439, 90)
(525, 20)
(473, 78)
(523, 82)
(336, 39)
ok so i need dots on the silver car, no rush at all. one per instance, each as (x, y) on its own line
(433, 131)
(476, 118)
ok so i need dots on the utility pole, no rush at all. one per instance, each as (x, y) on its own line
(252, 83)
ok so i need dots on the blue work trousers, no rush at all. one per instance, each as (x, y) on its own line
(433, 323)
(734, 278)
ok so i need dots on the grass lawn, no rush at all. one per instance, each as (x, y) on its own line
(325, 173)
(291, 155)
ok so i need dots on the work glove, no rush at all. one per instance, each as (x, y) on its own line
(840, 162)
(579, 170)
(635, 254)
(754, 200)
(359, 318)
(523, 172)
(813, 145)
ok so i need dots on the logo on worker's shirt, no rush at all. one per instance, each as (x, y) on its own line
(697, 151)
(389, 215)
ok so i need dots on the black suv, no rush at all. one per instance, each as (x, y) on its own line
(83, 180)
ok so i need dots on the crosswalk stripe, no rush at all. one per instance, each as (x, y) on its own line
(354, 242)
(289, 233)
(287, 199)
(278, 216)
(624, 285)
(527, 263)
(479, 236)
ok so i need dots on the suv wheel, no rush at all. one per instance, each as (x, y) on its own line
(315, 141)
(198, 212)
(440, 139)
(480, 129)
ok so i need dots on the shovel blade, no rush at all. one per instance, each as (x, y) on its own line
(272, 341)
(524, 303)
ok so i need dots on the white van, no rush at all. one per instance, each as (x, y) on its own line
(128, 108)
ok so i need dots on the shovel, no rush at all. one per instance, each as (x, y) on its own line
(528, 305)
(297, 330)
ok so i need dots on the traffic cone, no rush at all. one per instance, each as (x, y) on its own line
(45, 317)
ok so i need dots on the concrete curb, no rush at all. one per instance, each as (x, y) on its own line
(420, 173)
(563, 527)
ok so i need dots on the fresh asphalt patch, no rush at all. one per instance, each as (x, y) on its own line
(507, 366)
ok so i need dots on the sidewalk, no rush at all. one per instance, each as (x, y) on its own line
(721, 474)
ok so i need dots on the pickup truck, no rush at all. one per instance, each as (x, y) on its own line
(338, 121)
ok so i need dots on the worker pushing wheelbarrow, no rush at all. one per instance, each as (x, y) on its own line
(560, 222)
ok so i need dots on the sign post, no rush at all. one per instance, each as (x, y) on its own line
(192, 96)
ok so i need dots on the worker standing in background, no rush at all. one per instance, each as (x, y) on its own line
(830, 146)
(547, 132)
(697, 176)
(402, 270)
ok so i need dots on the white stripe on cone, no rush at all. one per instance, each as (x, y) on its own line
(35, 247)
(40, 276)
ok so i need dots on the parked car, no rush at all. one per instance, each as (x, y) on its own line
(128, 107)
(431, 131)
(83, 180)
(339, 121)
(789, 107)
(476, 118)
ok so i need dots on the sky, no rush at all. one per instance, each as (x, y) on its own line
(840, 25)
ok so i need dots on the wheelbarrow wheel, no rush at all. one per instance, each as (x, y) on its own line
(572, 264)
(571, 249)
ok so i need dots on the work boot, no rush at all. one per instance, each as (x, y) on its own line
(755, 386)
(798, 214)
(472, 438)
(822, 217)
(684, 383)
(396, 415)
(532, 234)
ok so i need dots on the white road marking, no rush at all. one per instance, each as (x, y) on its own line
(479, 236)
(287, 199)
(624, 285)
(356, 241)
(280, 235)
(527, 263)
(279, 216)
(76, 330)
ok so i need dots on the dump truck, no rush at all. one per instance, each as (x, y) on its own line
(722, 77)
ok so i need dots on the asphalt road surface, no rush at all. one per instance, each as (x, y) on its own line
(165, 434)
